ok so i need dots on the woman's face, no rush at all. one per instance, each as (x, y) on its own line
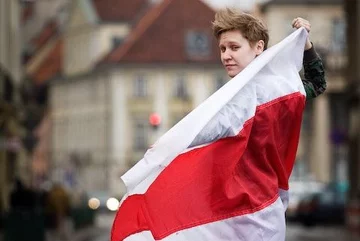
(236, 51)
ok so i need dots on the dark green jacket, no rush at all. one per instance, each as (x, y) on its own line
(314, 74)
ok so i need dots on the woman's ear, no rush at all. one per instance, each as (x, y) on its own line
(259, 48)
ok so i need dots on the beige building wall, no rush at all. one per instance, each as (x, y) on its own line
(79, 117)
(80, 48)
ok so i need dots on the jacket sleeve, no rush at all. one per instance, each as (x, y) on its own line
(314, 75)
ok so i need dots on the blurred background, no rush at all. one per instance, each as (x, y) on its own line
(86, 86)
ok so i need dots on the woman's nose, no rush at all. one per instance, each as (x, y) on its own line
(226, 55)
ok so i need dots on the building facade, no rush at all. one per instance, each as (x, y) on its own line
(102, 104)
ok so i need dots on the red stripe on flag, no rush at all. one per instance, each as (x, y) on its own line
(130, 218)
(230, 177)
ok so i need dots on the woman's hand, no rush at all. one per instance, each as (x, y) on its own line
(301, 22)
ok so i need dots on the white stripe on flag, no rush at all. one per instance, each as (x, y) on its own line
(267, 224)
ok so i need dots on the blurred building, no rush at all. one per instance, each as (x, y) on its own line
(41, 65)
(123, 62)
(322, 150)
(10, 77)
(352, 9)
(42, 49)
(36, 14)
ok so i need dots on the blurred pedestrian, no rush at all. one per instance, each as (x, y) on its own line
(22, 198)
(58, 210)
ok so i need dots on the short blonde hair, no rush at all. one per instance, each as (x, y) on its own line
(252, 28)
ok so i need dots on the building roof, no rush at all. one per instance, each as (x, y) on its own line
(48, 31)
(118, 10)
(51, 65)
(160, 36)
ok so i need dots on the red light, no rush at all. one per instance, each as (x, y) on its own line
(155, 119)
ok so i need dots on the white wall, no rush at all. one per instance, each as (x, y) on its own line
(86, 46)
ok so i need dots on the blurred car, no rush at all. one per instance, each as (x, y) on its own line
(298, 190)
(325, 207)
(102, 201)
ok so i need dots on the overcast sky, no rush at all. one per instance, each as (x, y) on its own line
(243, 4)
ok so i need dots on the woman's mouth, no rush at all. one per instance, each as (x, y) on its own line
(230, 66)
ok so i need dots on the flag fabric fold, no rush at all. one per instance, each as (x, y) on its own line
(222, 172)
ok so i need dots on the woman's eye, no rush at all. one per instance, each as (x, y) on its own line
(234, 47)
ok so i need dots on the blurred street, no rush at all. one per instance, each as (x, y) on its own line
(319, 233)
(104, 223)
(101, 231)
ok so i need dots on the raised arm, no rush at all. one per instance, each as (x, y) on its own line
(314, 74)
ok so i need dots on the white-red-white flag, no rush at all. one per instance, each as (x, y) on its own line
(222, 172)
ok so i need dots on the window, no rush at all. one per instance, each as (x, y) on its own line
(219, 82)
(140, 86)
(338, 40)
(339, 118)
(198, 44)
(180, 87)
(140, 134)
(338, 134)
